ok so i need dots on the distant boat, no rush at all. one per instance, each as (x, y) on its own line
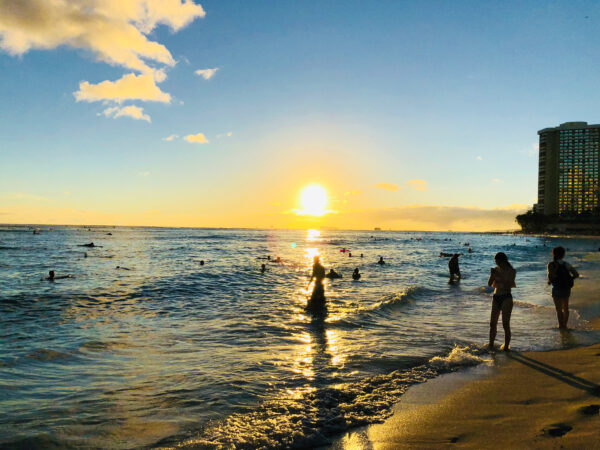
(36, 231)
(377, 229)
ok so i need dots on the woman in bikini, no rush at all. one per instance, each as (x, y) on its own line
(502, 278)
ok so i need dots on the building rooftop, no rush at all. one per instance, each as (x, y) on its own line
(569, 126)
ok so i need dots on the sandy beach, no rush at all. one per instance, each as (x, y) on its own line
(520, 400)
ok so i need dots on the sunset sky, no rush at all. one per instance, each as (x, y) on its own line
(409, 114)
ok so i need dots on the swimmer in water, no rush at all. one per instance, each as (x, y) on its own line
(201, 262)
(52, 276)
(333, 274)
(381, 261)
(317, 299)
(263, 268)
(356, 275)
(90, 245)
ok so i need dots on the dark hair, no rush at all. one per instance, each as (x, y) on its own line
(502, 260)
(558, 253)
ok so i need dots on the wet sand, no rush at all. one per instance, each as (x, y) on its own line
(524, 400)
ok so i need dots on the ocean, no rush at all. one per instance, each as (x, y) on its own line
(174, 353)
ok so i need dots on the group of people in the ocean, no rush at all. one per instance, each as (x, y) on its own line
(502, 279)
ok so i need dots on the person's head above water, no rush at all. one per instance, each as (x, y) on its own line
(201, 262)
(356, 270)
(51, 274)
(558, 252)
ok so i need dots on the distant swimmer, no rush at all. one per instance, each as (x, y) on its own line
(381, 262)
(109, 234)
(317, 299)
(122, 268)
(90, 245)
(263, 268)
(356, 275)
(471, 250)
(201, 262)
(361, 255)
(52, 276)
(454, 268)
(350, 254)
(333, 274)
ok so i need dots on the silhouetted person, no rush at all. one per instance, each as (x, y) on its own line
(333, 274)
(350, 254)
(361, 255)
(263, 268)
(317, 299)
(561, 275)
(356, 275)
(381, 262)
(90, 245)
(52, 276)
(454, 268)
(201, 262)
(502, 278)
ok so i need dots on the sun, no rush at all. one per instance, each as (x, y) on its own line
(313, 200)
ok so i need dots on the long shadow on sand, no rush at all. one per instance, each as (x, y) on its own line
(554, 372)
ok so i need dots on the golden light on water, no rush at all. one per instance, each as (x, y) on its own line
(313, 200)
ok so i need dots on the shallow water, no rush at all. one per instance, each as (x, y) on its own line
(172, 352)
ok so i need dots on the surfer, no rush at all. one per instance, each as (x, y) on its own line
(52, 276)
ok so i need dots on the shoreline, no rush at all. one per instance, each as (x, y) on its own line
(538, 399)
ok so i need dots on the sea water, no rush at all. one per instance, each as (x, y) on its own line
(172, 352)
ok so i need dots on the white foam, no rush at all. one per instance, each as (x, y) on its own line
(458, 357)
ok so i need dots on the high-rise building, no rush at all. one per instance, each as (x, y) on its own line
(568, 169)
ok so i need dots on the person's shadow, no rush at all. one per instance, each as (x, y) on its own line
(555, 372)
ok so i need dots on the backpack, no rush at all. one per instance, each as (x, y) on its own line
(562, 277)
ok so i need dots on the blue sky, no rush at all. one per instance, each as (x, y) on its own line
(344, 94)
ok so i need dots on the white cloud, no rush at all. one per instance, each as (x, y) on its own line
(479, 158)
(171, 137)
(387, 186)
(114, 31)
(207, 74)
(135, 112)
(128, 87)
(196, 138)
(418, 185)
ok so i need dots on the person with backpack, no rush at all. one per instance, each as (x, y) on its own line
(561, 275)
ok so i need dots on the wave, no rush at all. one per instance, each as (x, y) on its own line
(309, 416)
(398, 298)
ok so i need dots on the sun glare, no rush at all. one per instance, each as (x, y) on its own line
(313, 200)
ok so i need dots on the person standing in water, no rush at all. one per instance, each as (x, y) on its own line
(454, 268)
(502, 278)
(317, 299)
(561, 275)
